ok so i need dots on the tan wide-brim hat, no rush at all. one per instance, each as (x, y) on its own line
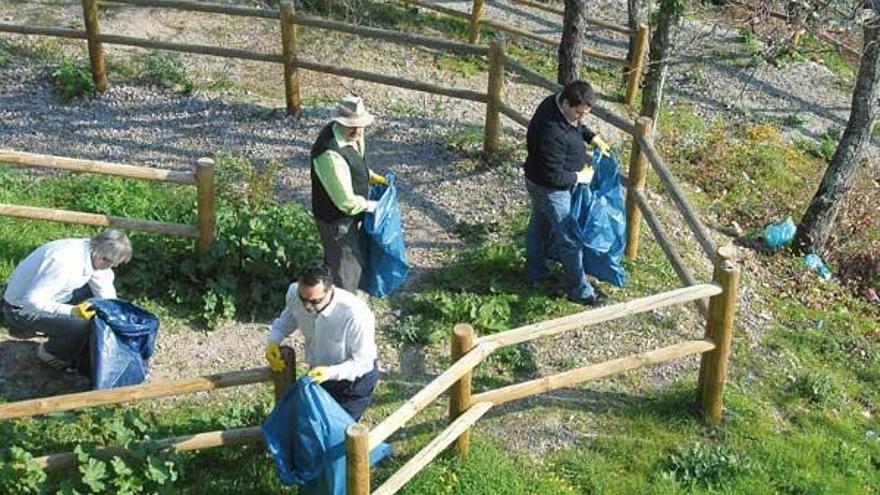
(351, 112)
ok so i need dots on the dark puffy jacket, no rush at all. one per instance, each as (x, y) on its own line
(556, 148)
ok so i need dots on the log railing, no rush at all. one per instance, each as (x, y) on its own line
(202, 178)
(282, 381)
(292, 62)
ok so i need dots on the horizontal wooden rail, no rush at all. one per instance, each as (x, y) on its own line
(464, 94)
(399, 82)
(539, 80)
(433, 449)
(19, 158)
(43, 31)
(590, 20)
(592, 372)
(486, 345)
(212, 8)
(133, 393)
(393, 36)
(599, 315)
(98, 220)
(426, 395)
(315, 22)
(515, 116)
(671, 186)
(236, 436)
(683, 272)
(515, 31)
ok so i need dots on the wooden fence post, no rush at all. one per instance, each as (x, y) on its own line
(719, 329)
(460, 395)
(284, 379)
(474, 30)
(357, 451)
(638, 168)
(207, 212)
(289, 58)
(637, 64)
(96, 51)
(492, 136)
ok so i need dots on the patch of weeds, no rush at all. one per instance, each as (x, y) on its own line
(465, 65)
(166, 70)
(696, 74)
(475, 233)
(5, 55)
(218, 81)
(817, 387)
(795, 120)
(413, 329)
(875, 131)
(706, 465)
(468, 139)
(820, 50)
(73, 79)
(390, 16)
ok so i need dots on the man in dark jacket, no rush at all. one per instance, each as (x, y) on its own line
(340, 187)
(557, 155)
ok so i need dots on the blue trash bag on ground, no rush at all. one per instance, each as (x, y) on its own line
(305, 434)
(122, 339)
(777, 235)
(385, 266)
(598, 214)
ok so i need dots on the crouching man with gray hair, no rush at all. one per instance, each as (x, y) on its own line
(47, 292)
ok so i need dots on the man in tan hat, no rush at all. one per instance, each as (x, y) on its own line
(340, 185)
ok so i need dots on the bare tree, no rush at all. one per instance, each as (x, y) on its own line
(571, 47)
(818, 221)
(658, 57)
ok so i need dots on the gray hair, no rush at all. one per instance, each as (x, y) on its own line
(112, 245)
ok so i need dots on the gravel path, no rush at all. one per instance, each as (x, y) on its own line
(139, 124)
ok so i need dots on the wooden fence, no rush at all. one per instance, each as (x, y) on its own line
(716, 299)
(202, 178)
(292, 63)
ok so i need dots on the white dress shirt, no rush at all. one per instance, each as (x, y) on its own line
(44, 281)
(342, 337)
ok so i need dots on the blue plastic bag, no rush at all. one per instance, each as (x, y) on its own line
(122, 339)
(305, 434)
(598, 214)
(815, 263)
(385, 266)
(777, 235)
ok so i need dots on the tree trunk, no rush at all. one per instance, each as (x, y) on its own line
(818, 221)
(658, 57)
(632, 21)
(571, 47)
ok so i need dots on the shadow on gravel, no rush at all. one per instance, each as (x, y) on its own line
(23, 376)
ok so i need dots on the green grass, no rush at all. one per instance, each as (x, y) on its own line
(828, 55)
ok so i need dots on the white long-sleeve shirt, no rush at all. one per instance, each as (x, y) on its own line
(44, 281)
(342, 337)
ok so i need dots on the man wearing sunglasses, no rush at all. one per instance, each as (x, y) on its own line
(339, 331)
(48, 293)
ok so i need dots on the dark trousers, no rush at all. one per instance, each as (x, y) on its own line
(354, 396)
(68, 335)
(342, 251)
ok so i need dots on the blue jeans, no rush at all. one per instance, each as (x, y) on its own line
(68, 335)
(549, 236)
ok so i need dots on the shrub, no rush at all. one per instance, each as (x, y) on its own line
(166, 70)
(705, 465)
(73, 79)
(261, 246)
(816, 387)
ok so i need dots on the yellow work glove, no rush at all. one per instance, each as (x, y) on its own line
(273, 356)
(600, 143)
(378, 179)
(84, 310)
(318, 374)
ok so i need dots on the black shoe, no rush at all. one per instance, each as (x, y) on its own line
(596, 300)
